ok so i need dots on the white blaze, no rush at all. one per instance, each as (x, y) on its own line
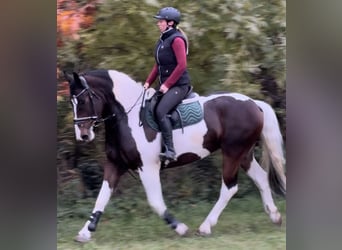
(74, 108)
(77, 129)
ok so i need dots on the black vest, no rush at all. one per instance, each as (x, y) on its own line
(166, 58)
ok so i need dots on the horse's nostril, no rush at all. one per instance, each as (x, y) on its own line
(84, 137)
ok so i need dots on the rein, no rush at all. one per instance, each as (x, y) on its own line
(100, 120)
(136, 102)
(142, 103)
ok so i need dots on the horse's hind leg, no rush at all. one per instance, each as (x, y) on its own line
(228, 188)
(151, 181)
(259, 176)
(110, 180)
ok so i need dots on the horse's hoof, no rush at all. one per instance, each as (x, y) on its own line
(182, 229)
(82, 238)
(276, 218)
(204, 230)
(278, 222)
(202, 234)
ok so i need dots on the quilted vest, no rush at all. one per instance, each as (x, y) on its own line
(166, 58)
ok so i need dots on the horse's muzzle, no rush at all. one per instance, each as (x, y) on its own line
(85, 137)
(84, 134)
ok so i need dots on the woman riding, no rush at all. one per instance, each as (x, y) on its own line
(171, 69)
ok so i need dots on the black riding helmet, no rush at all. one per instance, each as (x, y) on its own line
(169, 14)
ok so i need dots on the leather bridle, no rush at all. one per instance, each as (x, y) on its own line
(95, 119)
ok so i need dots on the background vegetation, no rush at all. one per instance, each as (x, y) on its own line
(235, 45)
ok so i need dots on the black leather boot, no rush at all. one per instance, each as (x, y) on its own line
(166, 131)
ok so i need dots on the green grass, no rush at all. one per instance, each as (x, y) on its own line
(242, 225)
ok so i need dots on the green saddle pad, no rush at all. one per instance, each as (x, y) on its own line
(185, 114)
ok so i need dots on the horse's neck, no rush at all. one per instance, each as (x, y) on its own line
(120, 144)
(116, 128)
(126, 90)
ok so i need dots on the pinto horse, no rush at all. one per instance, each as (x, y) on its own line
(231, 122)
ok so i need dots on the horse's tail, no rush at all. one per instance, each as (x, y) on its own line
(272, 159)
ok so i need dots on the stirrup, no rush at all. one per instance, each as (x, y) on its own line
(167, 156)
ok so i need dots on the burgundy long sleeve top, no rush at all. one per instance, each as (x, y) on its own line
(178, 47)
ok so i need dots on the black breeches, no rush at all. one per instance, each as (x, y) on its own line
(170, 100)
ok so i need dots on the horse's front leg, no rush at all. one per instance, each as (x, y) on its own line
(111, 179)
(150, 178)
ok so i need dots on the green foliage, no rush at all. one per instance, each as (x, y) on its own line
(228, 40)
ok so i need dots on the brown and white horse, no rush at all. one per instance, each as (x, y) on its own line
(231, 122)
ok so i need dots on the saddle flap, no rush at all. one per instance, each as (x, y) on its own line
(184, 115)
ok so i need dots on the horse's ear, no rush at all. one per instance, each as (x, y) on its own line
(77, 78)
(68, 76)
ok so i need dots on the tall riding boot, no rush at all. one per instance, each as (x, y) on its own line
(166, 131)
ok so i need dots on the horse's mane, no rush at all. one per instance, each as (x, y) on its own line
(101, 73)
(105, 78)
(118, 133)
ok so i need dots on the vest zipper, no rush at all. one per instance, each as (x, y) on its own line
(160, 44)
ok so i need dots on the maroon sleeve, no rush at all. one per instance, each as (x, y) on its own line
(153, 75)
(178, 47)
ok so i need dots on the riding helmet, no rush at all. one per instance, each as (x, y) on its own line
(169, 14)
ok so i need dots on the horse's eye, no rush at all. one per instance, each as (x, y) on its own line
(81, 102)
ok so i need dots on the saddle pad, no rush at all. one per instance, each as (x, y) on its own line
(188, 114)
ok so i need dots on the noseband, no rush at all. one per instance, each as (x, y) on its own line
(94, 118)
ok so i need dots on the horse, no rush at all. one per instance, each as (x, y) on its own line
(231, 122)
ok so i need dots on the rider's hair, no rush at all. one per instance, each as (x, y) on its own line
(186, 38)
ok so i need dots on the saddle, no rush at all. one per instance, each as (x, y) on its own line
(187, 113)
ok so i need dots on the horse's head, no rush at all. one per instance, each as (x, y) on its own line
(86, 106)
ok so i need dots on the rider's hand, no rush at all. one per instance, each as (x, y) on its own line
(146, 85)
(163, 89)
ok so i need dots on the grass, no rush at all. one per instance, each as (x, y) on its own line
(242, 225)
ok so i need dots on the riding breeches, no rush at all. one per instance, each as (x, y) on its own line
(170, 100)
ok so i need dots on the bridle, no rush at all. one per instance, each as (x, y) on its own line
(94, 118)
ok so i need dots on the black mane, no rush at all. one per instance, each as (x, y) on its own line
(101, 73)
(118, 138)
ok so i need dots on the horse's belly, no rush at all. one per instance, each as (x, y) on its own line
(191, 141)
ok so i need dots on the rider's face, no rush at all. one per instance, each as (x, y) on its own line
(163, 24)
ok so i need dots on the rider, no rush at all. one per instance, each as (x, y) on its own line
(171, 67)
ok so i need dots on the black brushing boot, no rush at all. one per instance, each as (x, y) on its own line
(166, 131)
